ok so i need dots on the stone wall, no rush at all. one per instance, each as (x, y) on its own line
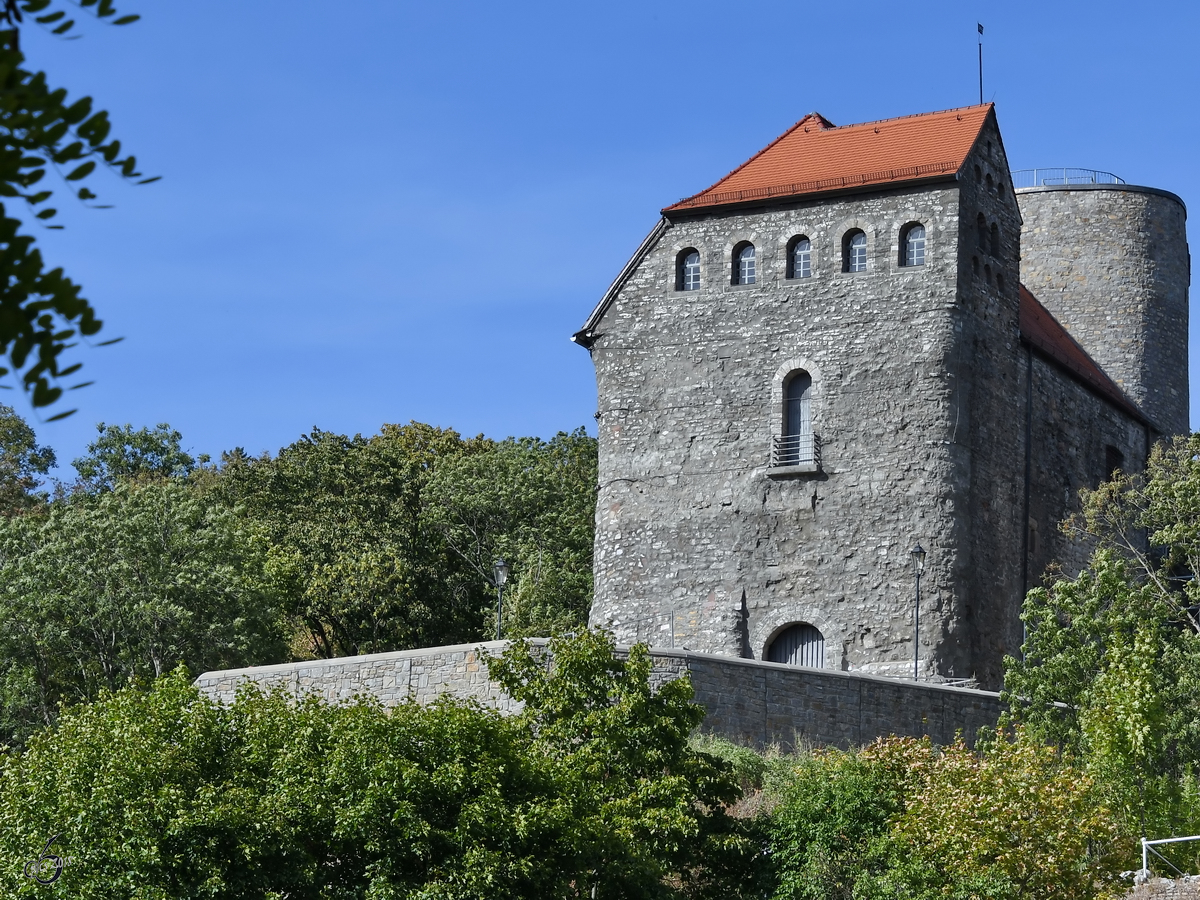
(1111, 263)
(1185, 888)
(422, 675)
(753, 703)
(1071, 429)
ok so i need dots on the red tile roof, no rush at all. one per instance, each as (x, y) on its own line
(815, 156)
(1044, 333)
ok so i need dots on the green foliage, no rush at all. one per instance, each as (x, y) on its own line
(904, 819)
(162, 794)
(22, 461)
(1111, 662)
(128, 582)
(42, 312)
(532, 502)
(350, 547)
(387, 542)
(120, 452)
(649, 811)
(159, 793)
(830, 824)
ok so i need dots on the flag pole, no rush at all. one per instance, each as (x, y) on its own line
(980, 26)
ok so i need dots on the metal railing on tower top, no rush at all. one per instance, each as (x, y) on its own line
(1029, 178)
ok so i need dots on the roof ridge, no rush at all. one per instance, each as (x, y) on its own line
(800, 157)
(920, 115)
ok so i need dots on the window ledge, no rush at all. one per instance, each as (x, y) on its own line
(794, 471)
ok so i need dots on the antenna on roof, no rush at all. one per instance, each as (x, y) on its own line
(980, 27)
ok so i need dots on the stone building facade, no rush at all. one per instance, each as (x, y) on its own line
(828, 357)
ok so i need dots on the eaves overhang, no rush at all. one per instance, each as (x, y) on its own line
(585, 336)
(679, 213)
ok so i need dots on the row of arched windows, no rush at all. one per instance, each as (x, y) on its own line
(988, 236)
(744, 262)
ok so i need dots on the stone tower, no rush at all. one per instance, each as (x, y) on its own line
(1110, 261)
(828, 357)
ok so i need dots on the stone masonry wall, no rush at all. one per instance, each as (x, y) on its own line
(986, 369)
(700, 544)
(458, 671)
(753, 703)
(1185, 888)
(1071, 429)
(1111, 263)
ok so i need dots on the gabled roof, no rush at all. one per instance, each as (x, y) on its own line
(1045, 334)
(815, 156)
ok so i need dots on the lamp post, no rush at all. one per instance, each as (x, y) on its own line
(918, 558)
(500, 571)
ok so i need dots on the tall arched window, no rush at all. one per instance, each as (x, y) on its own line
(981, 228)
(687, 270)
(796, 446)
(854, 252)
(799, 257)
(912, 245)
(798, 645)
(995, 240)
(744, 270)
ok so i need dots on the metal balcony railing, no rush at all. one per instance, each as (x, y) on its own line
(1029, 178)
(796, 450)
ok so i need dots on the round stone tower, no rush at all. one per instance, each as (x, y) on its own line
(1110, 261)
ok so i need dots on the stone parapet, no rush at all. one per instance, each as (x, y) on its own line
(748, 701)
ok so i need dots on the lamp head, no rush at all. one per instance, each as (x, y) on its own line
(918, 558)
(500, 570)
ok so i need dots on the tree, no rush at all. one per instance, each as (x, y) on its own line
(649, 811)
(349, 547)
(1111, 662)
(902, 818)
(22, 461)
(387, 542)
(128, 582)
(120, 452)
(156, 791)
(532, 502)
(41, 310)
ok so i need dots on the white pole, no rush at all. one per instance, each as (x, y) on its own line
(1145, 862)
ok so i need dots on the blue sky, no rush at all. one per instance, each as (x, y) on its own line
(380, 211)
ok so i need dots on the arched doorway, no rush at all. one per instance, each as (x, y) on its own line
(798, 645)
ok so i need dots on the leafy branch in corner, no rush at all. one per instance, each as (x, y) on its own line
(42, 312)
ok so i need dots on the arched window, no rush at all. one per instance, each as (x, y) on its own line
(912, 245)
(995, 240)
(854, 252)
(798, 645)
(744, 264)
(687, 270)
(981, 228)
(799, 263)
(796, 445)
(1000, 282)
(991, 184)
(987, 275)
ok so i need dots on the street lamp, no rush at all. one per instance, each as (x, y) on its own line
(918, 558)
(500, 571)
